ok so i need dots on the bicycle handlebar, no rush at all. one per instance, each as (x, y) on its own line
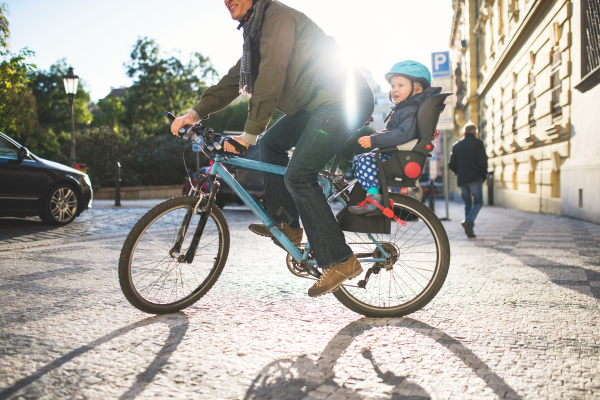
(211, 140)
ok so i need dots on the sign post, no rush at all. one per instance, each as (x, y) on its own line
(442, 76)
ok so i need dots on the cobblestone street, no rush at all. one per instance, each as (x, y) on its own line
(517, 318)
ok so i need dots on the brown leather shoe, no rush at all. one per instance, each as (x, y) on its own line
(294, 234)
(468, 230)
(334, 276)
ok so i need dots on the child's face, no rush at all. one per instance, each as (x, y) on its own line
(401, 88)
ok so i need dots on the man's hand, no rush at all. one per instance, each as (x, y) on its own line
(187, 119)
(231, 149)
(365, 141)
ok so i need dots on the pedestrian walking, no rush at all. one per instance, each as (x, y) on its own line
(469, 163)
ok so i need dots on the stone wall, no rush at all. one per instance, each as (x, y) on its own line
(140, 192)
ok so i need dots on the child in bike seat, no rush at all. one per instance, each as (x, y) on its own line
(410, 83)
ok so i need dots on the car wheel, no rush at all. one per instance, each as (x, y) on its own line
(60, 207)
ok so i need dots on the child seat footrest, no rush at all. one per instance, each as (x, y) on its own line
(388, 212)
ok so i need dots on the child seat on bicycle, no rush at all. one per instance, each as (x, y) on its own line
(402, 169)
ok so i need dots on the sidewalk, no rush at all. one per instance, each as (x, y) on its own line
(517, 318)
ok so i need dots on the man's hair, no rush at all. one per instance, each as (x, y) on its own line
(470, 128)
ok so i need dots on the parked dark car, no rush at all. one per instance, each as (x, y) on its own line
(30, 185)
(250, 180)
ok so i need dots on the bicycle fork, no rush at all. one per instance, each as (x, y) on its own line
(191, 252)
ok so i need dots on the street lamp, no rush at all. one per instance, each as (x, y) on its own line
(71, 80)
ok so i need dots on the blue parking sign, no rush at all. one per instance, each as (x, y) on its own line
(195, 147)
(440, 62)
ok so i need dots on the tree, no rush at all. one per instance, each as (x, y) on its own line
(53, 133)
(17, 105)
(161, 84)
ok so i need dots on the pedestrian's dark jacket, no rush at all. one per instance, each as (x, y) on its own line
(402, 125)
(300, 69)
(469, 160)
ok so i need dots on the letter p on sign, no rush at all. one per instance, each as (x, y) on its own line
(441, 64)
(440, 59)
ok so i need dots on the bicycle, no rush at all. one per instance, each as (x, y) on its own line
(165, 266)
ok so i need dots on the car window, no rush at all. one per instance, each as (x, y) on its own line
(7, 149)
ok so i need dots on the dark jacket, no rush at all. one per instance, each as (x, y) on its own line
(402, 125)
(469, 160)
(300, 69)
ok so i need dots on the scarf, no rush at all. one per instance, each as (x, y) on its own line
(251, 55)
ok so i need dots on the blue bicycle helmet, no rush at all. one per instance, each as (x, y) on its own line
(415, 71)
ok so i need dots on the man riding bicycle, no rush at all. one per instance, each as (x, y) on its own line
(290, 64)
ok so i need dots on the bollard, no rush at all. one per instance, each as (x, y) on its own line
(118, 184)
(432, 195)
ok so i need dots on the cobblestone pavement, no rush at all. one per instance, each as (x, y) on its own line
(516, 318)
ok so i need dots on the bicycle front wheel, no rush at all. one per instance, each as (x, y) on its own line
(418, 257)
(153, 279)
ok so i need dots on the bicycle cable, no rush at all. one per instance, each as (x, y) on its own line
(186, 168)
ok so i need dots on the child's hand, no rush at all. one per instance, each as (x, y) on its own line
(365, 141)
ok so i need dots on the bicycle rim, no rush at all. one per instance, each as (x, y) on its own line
(419, 258)
(161, 283)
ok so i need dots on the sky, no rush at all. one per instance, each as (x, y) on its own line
(97, 37)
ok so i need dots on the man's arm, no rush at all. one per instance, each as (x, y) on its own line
(219, 96)
(482, 159)
(453, 164)
(276, 45)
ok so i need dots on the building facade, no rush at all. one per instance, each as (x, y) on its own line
(526, 72)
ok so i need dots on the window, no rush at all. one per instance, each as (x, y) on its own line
(502, 118)
(7, 149)
(590, 36)
(482, 122)
(556, 85)
(531, 99)
(514, 111)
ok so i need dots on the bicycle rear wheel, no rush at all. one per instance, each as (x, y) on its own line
(413, 273)
(151, 278)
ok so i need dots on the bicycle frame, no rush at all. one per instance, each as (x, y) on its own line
(218, 169)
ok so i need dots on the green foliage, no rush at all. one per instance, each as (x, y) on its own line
(109, 111)
(233, 117)
(161, 84)
(151, 160)
(50, 139)
(4, 31)
(17, 106)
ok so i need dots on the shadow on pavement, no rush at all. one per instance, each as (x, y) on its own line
(587, 247)
(13, 227)
(176, 334)
(282, 378)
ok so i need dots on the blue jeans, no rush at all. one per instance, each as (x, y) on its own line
(317, 138)
(472, 207)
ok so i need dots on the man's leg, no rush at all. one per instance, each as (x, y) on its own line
(465, 192)
(476, 189)
(274, 147)
(322, 138)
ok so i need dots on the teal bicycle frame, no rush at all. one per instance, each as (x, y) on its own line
(218, 169)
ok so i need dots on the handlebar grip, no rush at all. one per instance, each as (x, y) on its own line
(183, 130)
(169, 115)
(239, 147)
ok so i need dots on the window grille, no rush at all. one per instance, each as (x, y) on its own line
(514, 111)
(501, 118)
(556, 85)
(531, 100)
(590, 36)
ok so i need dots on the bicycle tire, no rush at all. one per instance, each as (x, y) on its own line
(404, 207)
(142, 227)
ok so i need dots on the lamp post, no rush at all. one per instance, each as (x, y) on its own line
(71, 80)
